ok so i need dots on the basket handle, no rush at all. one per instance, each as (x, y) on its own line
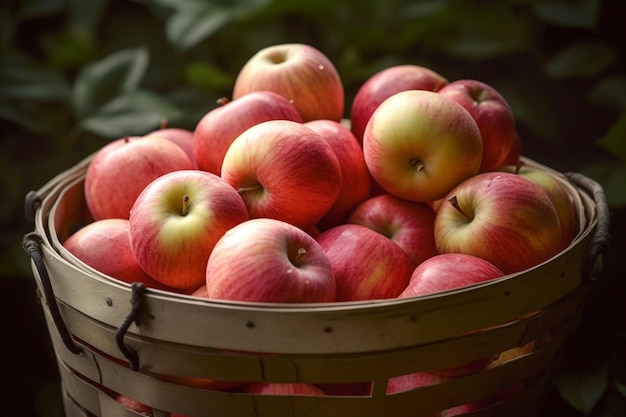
(31, 243)
(601, 238)
(136, 298)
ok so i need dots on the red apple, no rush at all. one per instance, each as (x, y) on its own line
(419, 144)
(269, 260)
(366, 264)
(299, 72)
(217, 129)
(347, 389)
(181, 137)
(274, 388)
(500, 217)
(104, 245)
(514, 154)
(412, 381)
(134, 405)
(408, 223)
(177, 220)
(121, 169)
(385, 83)
(492, 114)
(355, 177)
(284, 170)
(558, 194)
(449, 271)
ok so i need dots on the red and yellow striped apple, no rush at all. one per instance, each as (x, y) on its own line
(177, 220)
(419, 144)
(283, 170)
(301, 73)
(268, 260)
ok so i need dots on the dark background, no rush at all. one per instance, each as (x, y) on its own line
(75, 75)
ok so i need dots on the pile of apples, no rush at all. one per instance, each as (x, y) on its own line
(276, 197)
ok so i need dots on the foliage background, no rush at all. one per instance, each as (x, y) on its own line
(76, 74)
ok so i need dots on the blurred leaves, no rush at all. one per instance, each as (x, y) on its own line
(583, 386)
(581, 59)
(574, 13)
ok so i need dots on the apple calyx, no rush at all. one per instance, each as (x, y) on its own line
(185, 208)
(455, 203)
(418, 164)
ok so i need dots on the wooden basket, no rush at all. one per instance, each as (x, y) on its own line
(110, 337)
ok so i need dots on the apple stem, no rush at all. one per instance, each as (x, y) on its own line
(419, 165)
(300, 254)
(223, 101)
(519, 166)
(185, 208)
(455, 203)
(164, 124)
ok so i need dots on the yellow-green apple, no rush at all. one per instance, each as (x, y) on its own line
(558, 194)
(355, 177)
(419, 144)
(268, 260)
(448, 271)
(408, 223)
(284, 170)
(219, 127)
(385, 83)
(501, 217)
(299, 72)
(493, 116)
(275, 388)
(366, 264)
(177, 220)
(122, 168)
(104, 245)
(180, 136)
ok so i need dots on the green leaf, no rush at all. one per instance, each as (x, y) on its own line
(612, 176)
(569, 13)
(583, 386)
(187, 28)
(610, 92)
(39, 8)
(584, 59)
(615, 139)
(133, 113)
(209, 76)
(101, 81)
(621, 388)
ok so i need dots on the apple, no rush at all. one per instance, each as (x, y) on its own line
(219, 127)
(347, 389)
(366, 264)
(492, 114)
(104, 245)
(120, 170)
(301, 73)
(558, 194)
(268, 260)
(419, 144)
(414, 380)
(177, 220)
(355, 177)
(134, 405)
(283, 170)
(181, 137)
(275, 388)
(408, 223)
(501, 217)
(448, 271)
(385, 83)
(514, 154)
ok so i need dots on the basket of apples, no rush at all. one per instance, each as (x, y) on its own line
(279, 260)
